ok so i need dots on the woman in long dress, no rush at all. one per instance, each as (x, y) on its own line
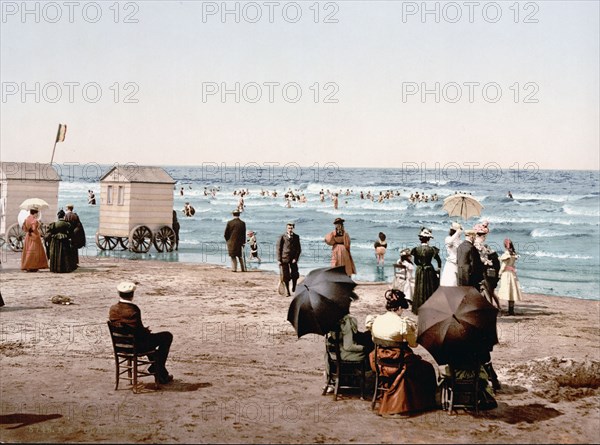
(509, 283)
(427, 278)
(340, 251)
(449, 275)
(411, 380)
(61, 258)
(33, 257)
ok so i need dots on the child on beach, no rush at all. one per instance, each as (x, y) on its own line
(380, 248)
(510, 289)
(404, 274)
(253, 246)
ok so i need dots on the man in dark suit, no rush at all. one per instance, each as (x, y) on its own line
(125, 312)
(235, 235)
(288, 252)
(470, 267)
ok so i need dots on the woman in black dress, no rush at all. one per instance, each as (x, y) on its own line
(427, 278)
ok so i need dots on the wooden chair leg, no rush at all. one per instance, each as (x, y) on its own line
(117, 373)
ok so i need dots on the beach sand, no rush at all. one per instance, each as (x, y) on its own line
(241, 374)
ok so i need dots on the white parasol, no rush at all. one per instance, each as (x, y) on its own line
(34, 203)
(462, 205)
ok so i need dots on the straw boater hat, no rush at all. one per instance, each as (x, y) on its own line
(126, 287)
(425, 233)
(470, 232)
(236, 213)
(291, 223)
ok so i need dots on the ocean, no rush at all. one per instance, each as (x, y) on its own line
(553, 218)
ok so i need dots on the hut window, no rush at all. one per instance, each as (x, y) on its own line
(109, 193)
(121, 196)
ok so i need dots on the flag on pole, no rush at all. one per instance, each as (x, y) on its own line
(62, 131)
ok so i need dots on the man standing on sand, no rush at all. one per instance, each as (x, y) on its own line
(125, 312)
(235, 235)
(288, 252)
(468, 261)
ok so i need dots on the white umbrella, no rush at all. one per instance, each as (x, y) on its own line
(23, 214)
(462, 205)
(34, 203)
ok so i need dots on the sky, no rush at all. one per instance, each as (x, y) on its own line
(355, 83)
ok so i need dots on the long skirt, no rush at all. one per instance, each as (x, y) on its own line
(449, 275)
(413, 387)
(61, 258)
(509, 287)
(426, 283)
(34, 255)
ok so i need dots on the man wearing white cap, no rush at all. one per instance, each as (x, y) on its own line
(125, 312)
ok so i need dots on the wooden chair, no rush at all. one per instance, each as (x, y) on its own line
(383, 382)
(128, 360)
(463, 392)
(341, 374)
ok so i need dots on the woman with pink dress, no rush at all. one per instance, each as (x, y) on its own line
(339, 239)
(33, 257)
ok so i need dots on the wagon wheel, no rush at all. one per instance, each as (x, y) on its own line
(164, 239)
(105, 242)
(140, 239)
(124, 242)
(15, 237)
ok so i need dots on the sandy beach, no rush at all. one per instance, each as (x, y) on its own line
(241, 374)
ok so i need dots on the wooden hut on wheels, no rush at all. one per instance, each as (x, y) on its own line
(20, 181)
(136, 209)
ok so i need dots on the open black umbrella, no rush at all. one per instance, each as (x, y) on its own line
(456, 322)
(321, 300)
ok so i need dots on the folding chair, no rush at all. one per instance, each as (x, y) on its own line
(128, 360)
(342, 374)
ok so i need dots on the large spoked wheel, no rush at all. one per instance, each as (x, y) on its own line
(140, 239)
(105, 242)
(124, 242)
(15, 238)
(164, 239)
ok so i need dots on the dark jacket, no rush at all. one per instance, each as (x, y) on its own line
(129, 314)
(77, 231)
(470, 267)
(235, 235)
(288, 249)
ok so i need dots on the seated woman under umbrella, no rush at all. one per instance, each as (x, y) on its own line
(412, 380)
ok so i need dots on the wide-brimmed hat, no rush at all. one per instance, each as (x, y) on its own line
(456, 226)
(481, 229)
(339, 221)
(126, 287)
(250, 232)
(425, 233)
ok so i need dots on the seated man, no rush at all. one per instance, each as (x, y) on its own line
(125, 312)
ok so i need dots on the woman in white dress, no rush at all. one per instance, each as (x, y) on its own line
(510, 289)
(450, 271)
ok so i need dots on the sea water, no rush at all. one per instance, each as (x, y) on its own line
(552, 219)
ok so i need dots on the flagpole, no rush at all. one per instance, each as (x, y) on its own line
(52, 159)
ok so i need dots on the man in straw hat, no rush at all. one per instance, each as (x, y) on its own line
(470, 267)
(235, 236)
(125, 312)
(288, 252)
